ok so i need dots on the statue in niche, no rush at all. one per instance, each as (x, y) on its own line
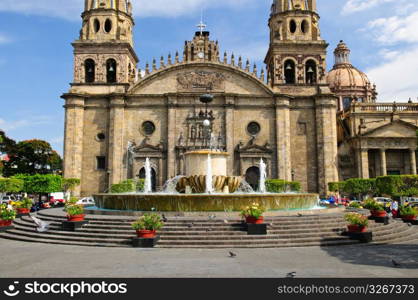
(193, 132)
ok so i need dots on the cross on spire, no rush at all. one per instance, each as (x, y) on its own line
(201, 25)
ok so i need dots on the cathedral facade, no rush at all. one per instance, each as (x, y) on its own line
(309, 125)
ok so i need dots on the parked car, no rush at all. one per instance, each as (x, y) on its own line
(56, 199)
(87, 201)
(7, 199)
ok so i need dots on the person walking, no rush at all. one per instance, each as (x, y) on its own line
(394, 207)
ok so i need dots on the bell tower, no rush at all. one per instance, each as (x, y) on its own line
(104, 52)
(297, 53)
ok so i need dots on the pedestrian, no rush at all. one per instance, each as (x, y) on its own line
(394, 207)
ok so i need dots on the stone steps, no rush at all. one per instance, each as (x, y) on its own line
(207, 233)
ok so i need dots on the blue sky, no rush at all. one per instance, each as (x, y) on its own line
(36, 56)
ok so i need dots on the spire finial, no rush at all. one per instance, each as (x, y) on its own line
(201, 25)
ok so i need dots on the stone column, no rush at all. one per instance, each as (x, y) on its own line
(413, 161)
(364, 164)
(383, 166)
(171, 136)
(284, 165)
(116, 140)
(73, 140)
(326, 129)
(229, 133)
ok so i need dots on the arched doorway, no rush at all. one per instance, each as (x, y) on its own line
(153, 177)
(252, 176)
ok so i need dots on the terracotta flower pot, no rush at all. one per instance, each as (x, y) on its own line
(6, 223)
(146, 234)
(356, 228)
(253, 220)
(409, 218)
(22, 211)
(378, 214)
(76, 218)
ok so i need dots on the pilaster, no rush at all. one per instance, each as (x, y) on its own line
(229, 133)
(116, 139)
(284, 165)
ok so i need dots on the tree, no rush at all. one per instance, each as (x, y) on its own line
(32, 157)
(69, 184)
(6, 146)
(40, 183)
(11, 185)
(360, 187)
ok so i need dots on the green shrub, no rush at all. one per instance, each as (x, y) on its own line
(148, 222)
(372, 204)
(74, 209)
(128, 186)
(358, 186)
(254, 210)
(408, 211)
(37, 184)
(7, 213)
(357, 219)
(355, 205)
(11, 185)
(336, 186)
(281, 186)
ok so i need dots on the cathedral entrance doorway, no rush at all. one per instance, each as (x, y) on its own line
(153, 177)
(252, 176)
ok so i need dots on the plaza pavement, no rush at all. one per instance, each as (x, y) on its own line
(20, 259)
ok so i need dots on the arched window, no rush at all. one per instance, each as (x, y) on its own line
(304, 27)
(310, 72)
(292, 26)
(289, 72)
(108, 26)
(90, 70)
(111, 70)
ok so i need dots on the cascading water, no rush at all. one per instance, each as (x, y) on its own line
(263, 176)
(209, 183)
(244, 188)
(171, 185)
(148, 183)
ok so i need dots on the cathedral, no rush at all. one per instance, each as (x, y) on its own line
(307, 123)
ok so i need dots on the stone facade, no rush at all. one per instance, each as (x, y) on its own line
(116, 117)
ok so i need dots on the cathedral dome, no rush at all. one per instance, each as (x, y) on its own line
(344, 74)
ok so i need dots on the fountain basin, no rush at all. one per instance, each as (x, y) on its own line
(196, 162)
(204, 202)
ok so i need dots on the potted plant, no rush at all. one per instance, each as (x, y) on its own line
(75, 212)
(357, 222)
(408, 213)
(147, 225)
(376, 209)
(7, 215)
(355, 205)
(253, 214)
(24, 206)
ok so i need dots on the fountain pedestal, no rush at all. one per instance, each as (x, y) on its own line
(196, 163)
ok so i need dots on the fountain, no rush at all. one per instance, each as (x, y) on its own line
(148, 182)
(206, 185)
(263, 176)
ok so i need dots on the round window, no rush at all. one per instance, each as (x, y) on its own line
(101, 137)
(148, 128)
(253, 128)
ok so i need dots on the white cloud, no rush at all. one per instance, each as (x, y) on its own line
(4, 39)
(71, 9)
(22, 123)
(396, 29)
(396, 79)
(353, 6)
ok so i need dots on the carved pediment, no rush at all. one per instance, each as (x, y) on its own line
(395, 129)
(252, 147)
(200, 81)
(145, 146)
